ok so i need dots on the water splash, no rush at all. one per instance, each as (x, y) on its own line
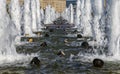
(53, 16)
(50, 15)
(71, 19)
(114, 28)
(15, 14)
(8, 34)
(65, 14)
(42, 15)
(103, 17)
(5, 25)
(34, 19)
(78, 14)
(47, 19)
(39, 24)
(27, 18)
(90, 16)
(58, 15)
(97, 6)
(86, 18)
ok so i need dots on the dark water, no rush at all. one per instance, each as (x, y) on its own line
(51, 63)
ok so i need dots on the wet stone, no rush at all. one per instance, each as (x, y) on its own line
(98, 63)
(79, 36)
(35, 62)
(46, 35)
(85, 45)
(51, 30)
(44, 44)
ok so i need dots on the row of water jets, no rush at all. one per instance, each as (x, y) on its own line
(20, 20)
(99, 19)
(30, 16)
(96, 18)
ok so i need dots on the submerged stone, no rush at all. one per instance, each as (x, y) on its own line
(51, 30)
(35, 62)
(46, 35)
(98, 63)
(44, 44)
(85, 45)
(79, 36)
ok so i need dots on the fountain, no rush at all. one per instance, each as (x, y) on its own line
(6, 42)
(16, 15)
(91, 19)
(104, 22)
(50, 15)
(34, 16)
(42, 15)
(86, 18)
(68, 14)
(71, 19)
(57, 15)
(39, 24)
(114, 43)
(64, 14)
(27, 18)
(77, 16)
(47, 19)
(98, 12)
(9, 31)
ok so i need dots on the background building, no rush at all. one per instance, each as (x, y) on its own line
(68, 2)
(59, 5)
(21, 1)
